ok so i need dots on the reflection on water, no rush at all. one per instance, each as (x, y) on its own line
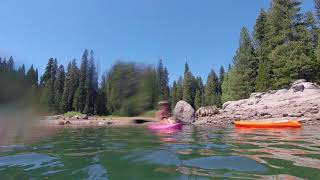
(192, 153)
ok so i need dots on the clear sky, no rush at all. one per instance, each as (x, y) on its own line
(204, 33)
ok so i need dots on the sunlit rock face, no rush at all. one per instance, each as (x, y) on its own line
(301, 101)
(184, 112)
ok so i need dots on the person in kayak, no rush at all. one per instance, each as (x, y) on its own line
(163, 114)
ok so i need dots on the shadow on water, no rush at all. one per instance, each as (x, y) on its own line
(192, 153)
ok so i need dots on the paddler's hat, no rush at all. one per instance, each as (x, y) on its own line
(163, 103)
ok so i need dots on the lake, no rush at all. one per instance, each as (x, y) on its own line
(192, 153)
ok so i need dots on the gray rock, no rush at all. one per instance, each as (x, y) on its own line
(61, 123)
(184, 112)
(256, 95)
(264, 113)
(296, 114)
(227, 104)
(281, 92)
(299, 81)
(207, 111)
(297, 88)
(84, 116)
(67, 122)
(314, 111)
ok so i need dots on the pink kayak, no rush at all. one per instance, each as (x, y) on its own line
(158, 126)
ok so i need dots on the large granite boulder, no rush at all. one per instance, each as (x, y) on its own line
(184, 112)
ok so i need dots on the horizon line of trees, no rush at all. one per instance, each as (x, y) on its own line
(284, 46)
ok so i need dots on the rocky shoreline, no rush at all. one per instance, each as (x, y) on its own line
(300, 102)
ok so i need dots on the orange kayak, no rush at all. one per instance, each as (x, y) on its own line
(268, 124)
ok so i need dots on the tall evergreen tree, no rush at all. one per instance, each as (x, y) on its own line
(221, 78)
(179, 89)
(10, 65)
(174, 95)
(198, 99)
(80, 97)
(263, 78)
(163, 79)
(22, 70)
(31, 77)
(290, 43)
(212, 95)
(58, 86)
(47, 84)
(70, 86)
(187, 85)
(102, 98)
(244, 69)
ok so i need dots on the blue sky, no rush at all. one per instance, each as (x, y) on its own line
(204, 33)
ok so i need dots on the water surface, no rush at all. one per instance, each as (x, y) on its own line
(192, 153)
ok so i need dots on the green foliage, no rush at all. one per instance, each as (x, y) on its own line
(198, 99)
(70, 114)
(241, 78)
(163, 81)
(70, 85)
(232, 87)
(263, 78)
(58, 86)
(187, 86)
(212, 90)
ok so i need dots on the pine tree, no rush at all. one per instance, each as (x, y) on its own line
(198, 99)
(163, 80)
(263, 78)
(80, 97)
(212, 90)
(31, 77)
(70, 87)
(22, 70)
(91, 86)
(290, 44)
(102, 98)
(241, 78)
(58, 86)
(231, 85)
(179, 89)
(174, 95)
(10, 65)
(221, 78)
(187, 86)
(47, 84)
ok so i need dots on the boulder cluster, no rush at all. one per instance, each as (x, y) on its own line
(301, 101)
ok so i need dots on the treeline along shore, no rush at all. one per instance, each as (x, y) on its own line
(283, 47)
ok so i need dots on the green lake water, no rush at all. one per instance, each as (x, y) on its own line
(136, 153)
